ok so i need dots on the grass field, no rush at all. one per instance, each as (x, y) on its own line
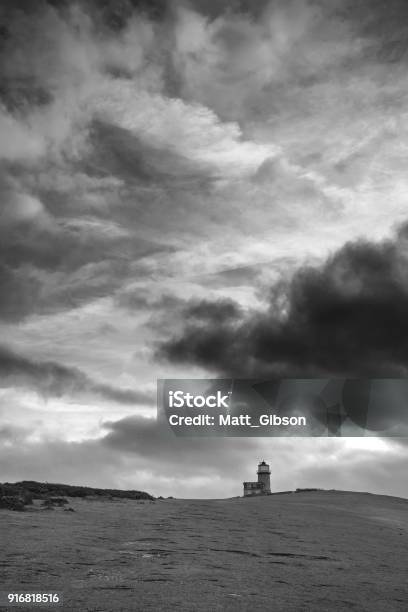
(322, 550)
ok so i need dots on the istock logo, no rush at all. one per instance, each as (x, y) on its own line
(179, 399)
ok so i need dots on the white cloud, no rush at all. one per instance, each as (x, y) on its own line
(191, 130)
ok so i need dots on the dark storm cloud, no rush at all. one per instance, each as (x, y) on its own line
(347, 316)
(50, 378)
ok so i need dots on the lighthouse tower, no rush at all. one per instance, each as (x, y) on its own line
(264, 476)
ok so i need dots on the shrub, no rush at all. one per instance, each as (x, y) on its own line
(11, 502)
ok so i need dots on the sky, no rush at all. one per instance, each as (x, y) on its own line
(197, 189)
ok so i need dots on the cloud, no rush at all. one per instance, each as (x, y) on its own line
(191, 130)
(140, 454)
(136, 158)
(243, 59)
(77, 268)
(56, 461)
(344, 317)
(56, 60)
(18, 141)
(50, 378)
(98, 149)
(153, 154)
(56, 257)
(153, 441)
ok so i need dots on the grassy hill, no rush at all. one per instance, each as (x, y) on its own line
(309, 551)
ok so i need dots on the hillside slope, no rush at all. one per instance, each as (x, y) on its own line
(312, 551)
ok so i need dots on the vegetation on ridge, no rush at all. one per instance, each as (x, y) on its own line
(15, 496)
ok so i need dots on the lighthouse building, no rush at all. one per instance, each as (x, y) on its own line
(263, 485)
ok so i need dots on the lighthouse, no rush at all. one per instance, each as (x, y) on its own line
(264, 476)
(263, 485)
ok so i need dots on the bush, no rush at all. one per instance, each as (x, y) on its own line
(10, 502)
